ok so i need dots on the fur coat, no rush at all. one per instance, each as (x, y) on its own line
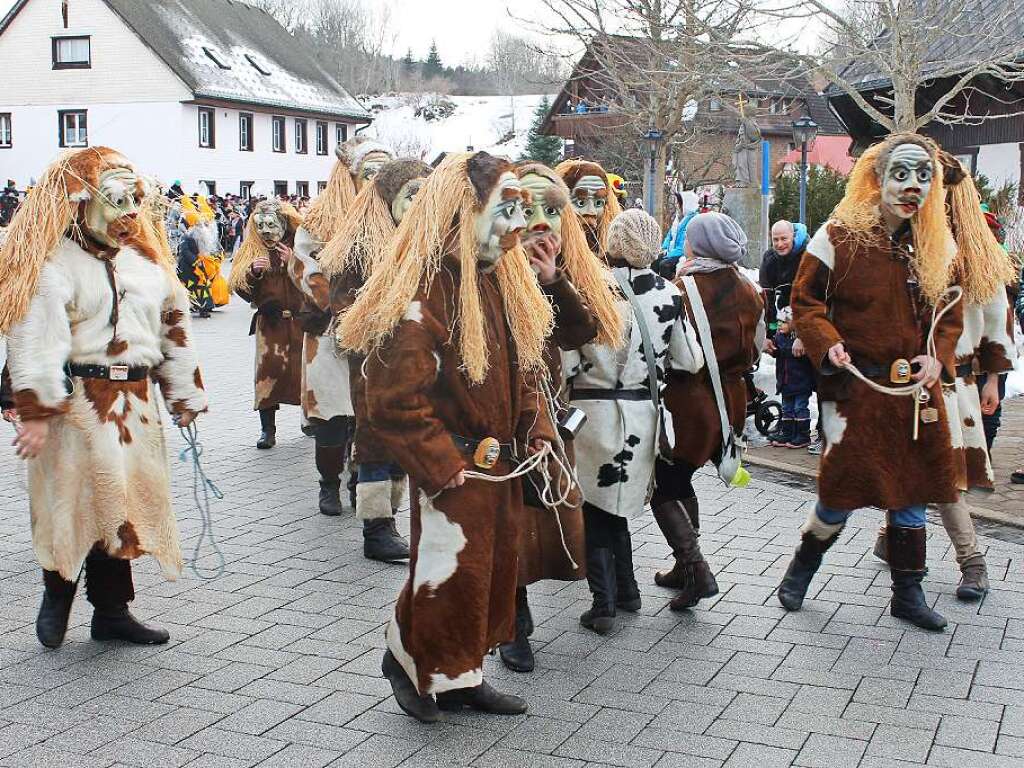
(862, 296)
(278, 330)
(325, 378)
(985, 347)
(735, 313)
(102, 476)
(458, 602)
(616, 449)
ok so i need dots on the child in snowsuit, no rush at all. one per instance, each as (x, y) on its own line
(794, 378)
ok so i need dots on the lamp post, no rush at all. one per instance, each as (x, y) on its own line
(804, 132)
(653, 137)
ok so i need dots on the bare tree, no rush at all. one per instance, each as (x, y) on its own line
(945, 61)
(655, 60)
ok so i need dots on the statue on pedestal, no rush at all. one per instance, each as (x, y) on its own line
(746, 155)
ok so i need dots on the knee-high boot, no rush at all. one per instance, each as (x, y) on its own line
(518, 655)
(691, 574)
(52, 621)
(109, 587)
(627, 591)
(330, 461)
(268, 428)
(907, 550)
(805, 563)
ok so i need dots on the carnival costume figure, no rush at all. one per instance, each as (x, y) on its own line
(97, 322)
(455, 341)
(348, 260)
(593, 199)
(872, 298)
(259, 274)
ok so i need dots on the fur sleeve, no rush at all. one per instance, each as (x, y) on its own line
(178, 374)
(399, 379)
(575, 324)
(535, 420)
(809, 299)
(305, 272)
(38, 347)
(947, 334)
(997, 352)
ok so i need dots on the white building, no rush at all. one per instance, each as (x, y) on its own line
(212, 93)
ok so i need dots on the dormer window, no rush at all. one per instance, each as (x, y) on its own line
(213, 56)
(256, 65)
(71, 52)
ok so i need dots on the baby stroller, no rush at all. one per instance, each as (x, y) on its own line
(766, 412)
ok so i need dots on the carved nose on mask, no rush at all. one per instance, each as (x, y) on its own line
(541, 227)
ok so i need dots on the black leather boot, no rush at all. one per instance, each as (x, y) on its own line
(518, 655)
(330, 498)
(109, 587)
(52, 621)
(806, 562)
(627, 591)
(601, 578)
(907, 550)
(691, 574)
(330, 461)
(881, 548)
(268, 429)
(423, 708)
(483, 698)
(382, 541)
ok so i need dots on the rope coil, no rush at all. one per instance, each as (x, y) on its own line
(192, 452)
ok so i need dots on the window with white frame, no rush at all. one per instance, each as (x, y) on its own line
(300, 136)
(340, 133)
(245, 131)
(72, 125)
(71, 52)
(277, 129)
(245, 189)
(321, 138)
(302, 188)
(6, 134)
(206, 127)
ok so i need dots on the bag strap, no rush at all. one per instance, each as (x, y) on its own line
(645, 334)
(700, 319)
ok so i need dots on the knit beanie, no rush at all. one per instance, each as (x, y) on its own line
(716, 236)
(635, 237)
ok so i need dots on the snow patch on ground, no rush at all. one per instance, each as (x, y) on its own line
(481, 122)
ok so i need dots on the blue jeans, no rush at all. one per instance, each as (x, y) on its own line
(378, 472)
(913, 516)
(796, 406)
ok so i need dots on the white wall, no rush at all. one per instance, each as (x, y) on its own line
(1000, 163)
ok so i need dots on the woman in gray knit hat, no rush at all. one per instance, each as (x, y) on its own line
(715, 246)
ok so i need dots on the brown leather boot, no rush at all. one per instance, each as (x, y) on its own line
(691, 573)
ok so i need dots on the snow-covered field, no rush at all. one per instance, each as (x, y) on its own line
(496, 124)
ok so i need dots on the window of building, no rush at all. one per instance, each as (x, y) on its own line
(211, 186)
(281, 188)
(245, 131)
(715, 105)
(215, 57)
(6, 134)
(207, 120)
(245, 189)
(321, 138)
(340, 133)
(261, 68)
(71, 52)
(72, 126)
(302, 188)
(277, 126)
(321, 186)
(300, 136)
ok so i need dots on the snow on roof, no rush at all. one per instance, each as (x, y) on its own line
(225, 49)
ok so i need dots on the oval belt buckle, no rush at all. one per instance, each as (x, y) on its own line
(899, 371)
(487, 453)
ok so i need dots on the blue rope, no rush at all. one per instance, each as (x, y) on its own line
(192, 451)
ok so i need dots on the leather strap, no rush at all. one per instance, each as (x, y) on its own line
(109, 372)
(609, 394)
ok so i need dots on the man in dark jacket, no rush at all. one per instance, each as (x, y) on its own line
(778, 267)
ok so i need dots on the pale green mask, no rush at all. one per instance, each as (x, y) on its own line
(370, 167)
(404, 198)
(542, 211)
(110, 214)
(499, 223)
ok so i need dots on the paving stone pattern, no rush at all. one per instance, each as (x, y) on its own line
(277, 662)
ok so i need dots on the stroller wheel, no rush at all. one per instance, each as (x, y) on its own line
(767, 414)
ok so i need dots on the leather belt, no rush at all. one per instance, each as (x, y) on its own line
(109, 372)
(610, 394)
(964, 370)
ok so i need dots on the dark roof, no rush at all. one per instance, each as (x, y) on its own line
(260, 63)
(975, 38)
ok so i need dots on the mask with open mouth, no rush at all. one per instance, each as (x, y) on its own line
(111, 213)
(501, 220)
(906, 180)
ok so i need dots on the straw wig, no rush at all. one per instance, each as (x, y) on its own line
(983, 268)
(571, 172)
(52, 210)
(858, 213)
(588, 274)
(252, 244)
(363, 237)
(439, 222)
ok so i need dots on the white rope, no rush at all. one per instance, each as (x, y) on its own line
(915, 388)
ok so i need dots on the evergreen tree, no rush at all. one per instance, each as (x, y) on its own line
(408, 62)
(433, 66)
(543, 149)
(825, 188)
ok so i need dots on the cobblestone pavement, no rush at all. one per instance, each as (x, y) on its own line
(276, 663)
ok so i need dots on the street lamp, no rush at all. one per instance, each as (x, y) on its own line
(654, 138)
(804, 132)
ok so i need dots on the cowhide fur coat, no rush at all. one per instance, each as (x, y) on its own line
(102, 476)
